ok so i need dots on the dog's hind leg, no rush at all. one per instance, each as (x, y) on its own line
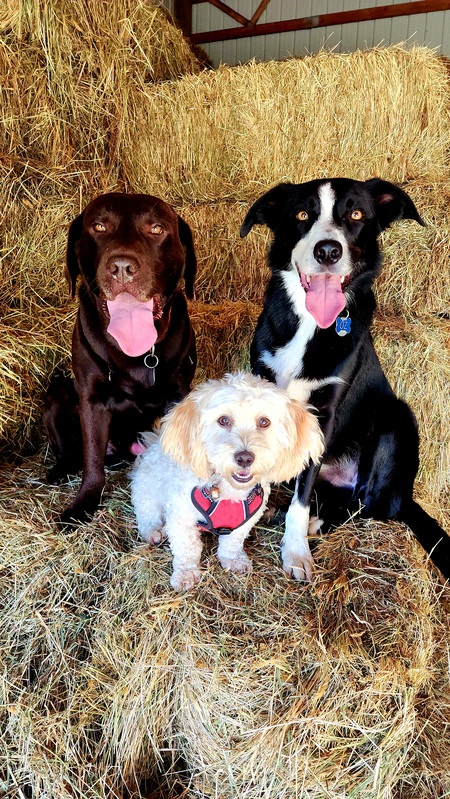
(149, 517)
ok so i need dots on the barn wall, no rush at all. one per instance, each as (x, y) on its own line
(432, 30)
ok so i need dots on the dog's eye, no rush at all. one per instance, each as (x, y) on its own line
(98, 227)
(303, 216)
(357, 215)
(156, 230)
(224, 421)
(263, 421)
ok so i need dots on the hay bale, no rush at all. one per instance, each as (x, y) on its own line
(39, 205)
(68, 69)
(31, 345)
(87, 650)
(290, 691)
(261, 686)
(234, 132)
(414, 278)
(415, 355)
(223, 335)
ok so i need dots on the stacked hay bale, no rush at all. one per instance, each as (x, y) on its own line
(253, 687)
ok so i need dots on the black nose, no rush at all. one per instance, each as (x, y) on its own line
(122, 268)
(244, 458)
(327, 252)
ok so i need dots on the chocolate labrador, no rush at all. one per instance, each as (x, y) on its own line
(133, 350)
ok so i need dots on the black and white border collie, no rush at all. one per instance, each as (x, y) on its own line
(315, 325)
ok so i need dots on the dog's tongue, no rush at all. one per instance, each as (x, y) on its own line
(131, 324)
(325, 298)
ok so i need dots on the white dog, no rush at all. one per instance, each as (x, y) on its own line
(211, 466)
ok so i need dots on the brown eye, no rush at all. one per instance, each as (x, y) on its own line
(156, 230)
(303, 216)
(98, 227)
(357, 215)
(224, 421)
(263, 422)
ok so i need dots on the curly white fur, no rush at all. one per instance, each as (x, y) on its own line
(200, 444)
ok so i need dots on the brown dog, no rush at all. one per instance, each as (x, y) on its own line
(133, 353)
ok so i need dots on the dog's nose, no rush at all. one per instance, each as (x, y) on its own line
(122, 269)
(327, 252)
(244, 458)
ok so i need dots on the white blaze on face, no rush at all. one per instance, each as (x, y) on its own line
(324, 293)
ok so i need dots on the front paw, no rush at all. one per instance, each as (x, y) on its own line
(299, 566)
(239, 565)
(153, 537)
(185, 579)
(73, 516)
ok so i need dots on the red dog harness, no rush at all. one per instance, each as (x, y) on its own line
(222, 516)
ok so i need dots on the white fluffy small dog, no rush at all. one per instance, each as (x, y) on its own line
(211, 466)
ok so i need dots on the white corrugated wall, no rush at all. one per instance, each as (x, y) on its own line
(432, 29)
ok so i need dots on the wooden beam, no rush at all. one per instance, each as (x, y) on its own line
(259, 11)
(182, 12)
(323, 20)
(230, 11)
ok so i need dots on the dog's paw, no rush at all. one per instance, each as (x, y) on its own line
(239, 565)
(185, 580)
(299, 566)
(72, 517)
(153, 537)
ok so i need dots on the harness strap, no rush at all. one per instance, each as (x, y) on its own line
(223, 516)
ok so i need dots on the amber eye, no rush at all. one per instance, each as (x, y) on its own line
(224, 421)
(156, 230)
(98, 227)
(357, 215)
(303, 216)
(263, 422)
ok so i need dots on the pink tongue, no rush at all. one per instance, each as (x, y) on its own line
(131, 324)
(325, 298)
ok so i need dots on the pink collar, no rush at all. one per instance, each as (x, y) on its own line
(222, 516)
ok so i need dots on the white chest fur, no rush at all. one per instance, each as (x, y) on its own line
(287, 361)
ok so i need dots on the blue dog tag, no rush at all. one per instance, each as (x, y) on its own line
(343, 325)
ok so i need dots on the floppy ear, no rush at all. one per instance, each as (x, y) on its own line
(391, 203)
(268, 210)
(190, 266)
(305, 443)
(72, 268)
(180, 437)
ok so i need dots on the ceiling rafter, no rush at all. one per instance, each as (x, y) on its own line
(252, 27)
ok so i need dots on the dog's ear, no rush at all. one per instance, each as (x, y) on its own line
(305, 443)
(391, 203)
(190, 265)
(72, 267)
(268, 210)
(180, 437)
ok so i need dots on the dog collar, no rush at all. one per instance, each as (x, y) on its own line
(151, 361)
(223, 516)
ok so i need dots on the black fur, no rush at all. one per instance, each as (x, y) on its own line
(362, 419)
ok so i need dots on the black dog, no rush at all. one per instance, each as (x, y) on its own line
(315, 325)
(133, 353)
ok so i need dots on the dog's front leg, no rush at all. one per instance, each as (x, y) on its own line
(295, 551)
(186, 546)
(95, 422)
(231, 553)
